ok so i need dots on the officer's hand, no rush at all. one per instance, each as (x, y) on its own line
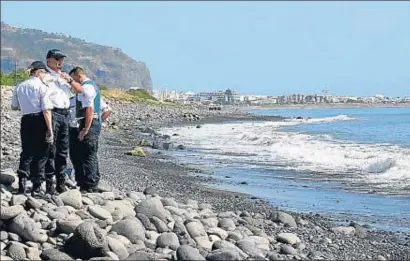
(82, 134)
(65, 76)
(49, 137)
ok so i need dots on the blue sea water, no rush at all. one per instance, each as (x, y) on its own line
(373, 125)
(353, 164)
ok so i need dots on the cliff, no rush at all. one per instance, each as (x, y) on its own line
(107, 65)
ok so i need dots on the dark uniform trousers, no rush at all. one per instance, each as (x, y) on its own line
(83, 155)
(57, 159)
(35, 149)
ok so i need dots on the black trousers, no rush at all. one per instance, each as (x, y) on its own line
(57, 158)
(33, 157)
(83, 155)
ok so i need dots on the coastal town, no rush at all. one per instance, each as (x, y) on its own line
(233, 97)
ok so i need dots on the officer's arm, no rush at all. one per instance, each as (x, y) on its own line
(15, 105)
(78, 88)
(46, 106)
(75, 86)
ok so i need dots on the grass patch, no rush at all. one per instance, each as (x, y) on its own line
(133, 96)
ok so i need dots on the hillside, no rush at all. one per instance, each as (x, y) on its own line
(107, 65)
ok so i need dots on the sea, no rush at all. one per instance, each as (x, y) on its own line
(348, 164)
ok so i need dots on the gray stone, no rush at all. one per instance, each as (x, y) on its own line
(117, 247)
(141, 256)
(17, 252)
(220, 254)
(250, 248)
(146, 222)
(284, 218)
(6, 258)
(152, 207)
(3, 235)
(159, 224)
(33, 253)
(344, 230)
(130, 228)
(217, 231)
(288, 238)
(11, 212)
(88, 241)
(87, 201)
(288, 250)
(14, 237)
(125, 206)
(169, 202)
(195, 229)
(68, 226)
(227, 224)
(54, 255)
(225, 245)
(99, 212)
(188, 253)
(26, 228)
(72, 198)
(168, 240)
(18, 200)
(7, 178)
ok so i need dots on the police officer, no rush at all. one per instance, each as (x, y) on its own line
(85, 139)
(31, 98)
(106, 110)
(61, 88)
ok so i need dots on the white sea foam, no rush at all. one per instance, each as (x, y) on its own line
(265, 143)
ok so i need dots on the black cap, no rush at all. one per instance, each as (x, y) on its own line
(55, 53)
(37, 65)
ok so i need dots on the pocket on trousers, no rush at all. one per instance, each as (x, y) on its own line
(90, 145)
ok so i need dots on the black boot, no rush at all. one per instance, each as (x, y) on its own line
(22, 185)
(60, 186)
(36, 188)
(50, 186)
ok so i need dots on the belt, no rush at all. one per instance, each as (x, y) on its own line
(33, 114)
(83, 118)
(61, 111)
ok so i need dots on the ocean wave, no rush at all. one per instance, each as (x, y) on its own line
(378, 164)
(340, 117)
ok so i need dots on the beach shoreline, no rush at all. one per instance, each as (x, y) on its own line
(129, 125)
(327, 106)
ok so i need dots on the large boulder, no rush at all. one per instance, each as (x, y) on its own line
(131, 229)
(152, 207)
(72, 198)
(284, 218)
(188, 253)
(54, 255)
(168, 240)
(88, 241)
(27, 229)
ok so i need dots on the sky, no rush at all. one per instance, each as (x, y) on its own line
(271, 48)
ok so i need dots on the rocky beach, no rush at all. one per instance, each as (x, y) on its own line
(153, 208)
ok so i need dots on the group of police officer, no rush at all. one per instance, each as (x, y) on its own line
(62, 114)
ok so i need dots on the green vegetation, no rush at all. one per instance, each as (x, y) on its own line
(12, 78)
(133, 96)
(142, 94)
(102, 87)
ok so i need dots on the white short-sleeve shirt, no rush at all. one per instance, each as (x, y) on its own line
(86, 98)
(59, 89)
(31, 96)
